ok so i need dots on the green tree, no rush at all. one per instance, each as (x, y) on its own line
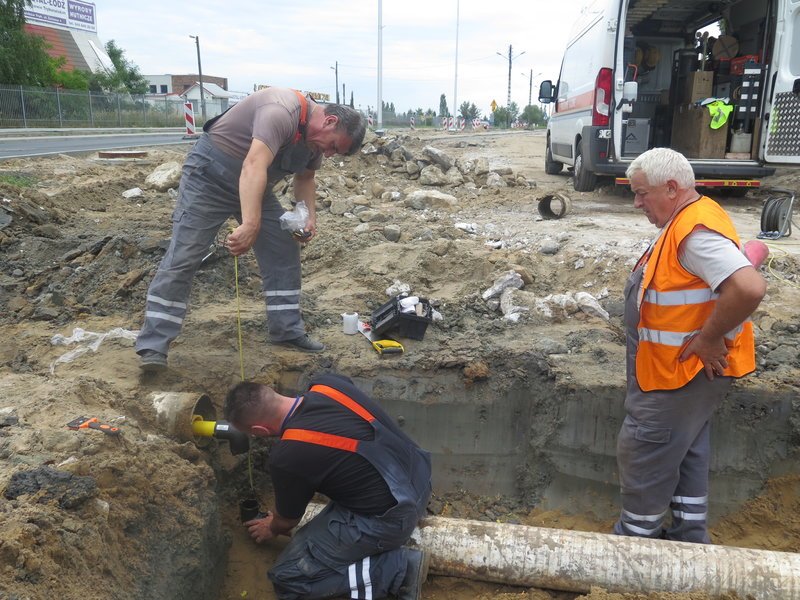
(533, 116)
(501, 117)
(469, 111)
(23, 57)
(443, 112)
(125, 77)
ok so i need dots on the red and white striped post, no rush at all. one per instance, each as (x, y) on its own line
(188, 113)
(411, 121)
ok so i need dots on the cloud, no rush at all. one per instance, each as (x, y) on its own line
(297, 45)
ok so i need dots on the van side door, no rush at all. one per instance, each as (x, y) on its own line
(780, 131)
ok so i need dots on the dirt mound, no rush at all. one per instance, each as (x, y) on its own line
(448, 216)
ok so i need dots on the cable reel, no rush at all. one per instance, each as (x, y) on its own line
(776, 214)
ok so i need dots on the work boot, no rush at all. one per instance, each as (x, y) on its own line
(305, 343)
(152, 361)
(416, 574)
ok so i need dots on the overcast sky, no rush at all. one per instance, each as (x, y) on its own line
(297, 44)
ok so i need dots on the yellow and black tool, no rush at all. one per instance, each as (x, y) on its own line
(222, 430)
(382, 345)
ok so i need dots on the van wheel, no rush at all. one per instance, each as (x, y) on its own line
(551, 167)
(583, 180)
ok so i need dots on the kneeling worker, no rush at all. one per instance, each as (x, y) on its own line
(337, 441)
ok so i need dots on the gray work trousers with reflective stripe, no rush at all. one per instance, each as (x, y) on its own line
(664, 447)
(341, 553)
(208, 195)
(663, 455)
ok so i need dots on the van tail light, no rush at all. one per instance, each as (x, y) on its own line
(602, 98)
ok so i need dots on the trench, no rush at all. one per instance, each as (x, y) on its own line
(528, 441)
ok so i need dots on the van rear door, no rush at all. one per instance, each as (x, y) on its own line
(782, 130)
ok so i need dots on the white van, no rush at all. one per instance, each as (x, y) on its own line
(640, 74)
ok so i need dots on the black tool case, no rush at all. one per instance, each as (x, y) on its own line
(411, 325)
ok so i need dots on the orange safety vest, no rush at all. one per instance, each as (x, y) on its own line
(674, 304)
(327, 439)
(301, 127)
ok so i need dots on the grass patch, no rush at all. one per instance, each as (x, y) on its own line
(18, 180)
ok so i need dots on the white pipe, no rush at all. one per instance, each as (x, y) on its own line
(574, 560)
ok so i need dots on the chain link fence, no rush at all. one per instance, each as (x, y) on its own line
(22, 106)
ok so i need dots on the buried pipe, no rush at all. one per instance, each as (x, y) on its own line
(575, 561)
(191, 417)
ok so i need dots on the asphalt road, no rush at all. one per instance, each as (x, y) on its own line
(71, 144)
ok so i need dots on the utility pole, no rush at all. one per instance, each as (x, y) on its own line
(200, 76)
(379, 106)
(455, 84)
(510, 59)
(337, 81)
(530, 89)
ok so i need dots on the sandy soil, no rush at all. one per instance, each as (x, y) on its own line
(85, 515)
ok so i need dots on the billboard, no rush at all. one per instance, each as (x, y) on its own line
(73, 14)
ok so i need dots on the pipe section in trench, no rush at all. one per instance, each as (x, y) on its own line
(575, 561)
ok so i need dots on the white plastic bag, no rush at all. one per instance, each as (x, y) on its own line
(296, 220)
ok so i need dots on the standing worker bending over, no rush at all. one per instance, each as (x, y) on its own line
(336, 441)
(231, 171)
(687, 308)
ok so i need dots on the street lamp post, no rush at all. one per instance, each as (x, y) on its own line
(530, 86)
(200, 76)
(336, 69)
(510, 59)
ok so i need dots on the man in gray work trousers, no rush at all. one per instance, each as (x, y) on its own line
(231, 171)
(337, 441)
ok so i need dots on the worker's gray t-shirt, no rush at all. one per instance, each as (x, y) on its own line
(271, 116)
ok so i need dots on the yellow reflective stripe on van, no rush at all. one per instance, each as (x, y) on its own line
(681, 297)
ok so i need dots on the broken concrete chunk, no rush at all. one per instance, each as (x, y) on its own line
(398, 287)
(506, 280)
(438, 157)
(164, 177)
(392, 233)
(339, 206)
(481, 166)
(454, 177)
(372, 216)
(549, 247)
(132, 193)
(412, 168)
(422, 199)
(588, 304)
(432, 175)
(468, 227)
(507, 303)
(495, 180)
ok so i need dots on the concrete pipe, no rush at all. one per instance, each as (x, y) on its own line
(176, 411)
(554, 206)
(575, 561)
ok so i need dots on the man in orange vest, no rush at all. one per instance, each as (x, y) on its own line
(687, 308)
(337, 441)
(231, 172)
